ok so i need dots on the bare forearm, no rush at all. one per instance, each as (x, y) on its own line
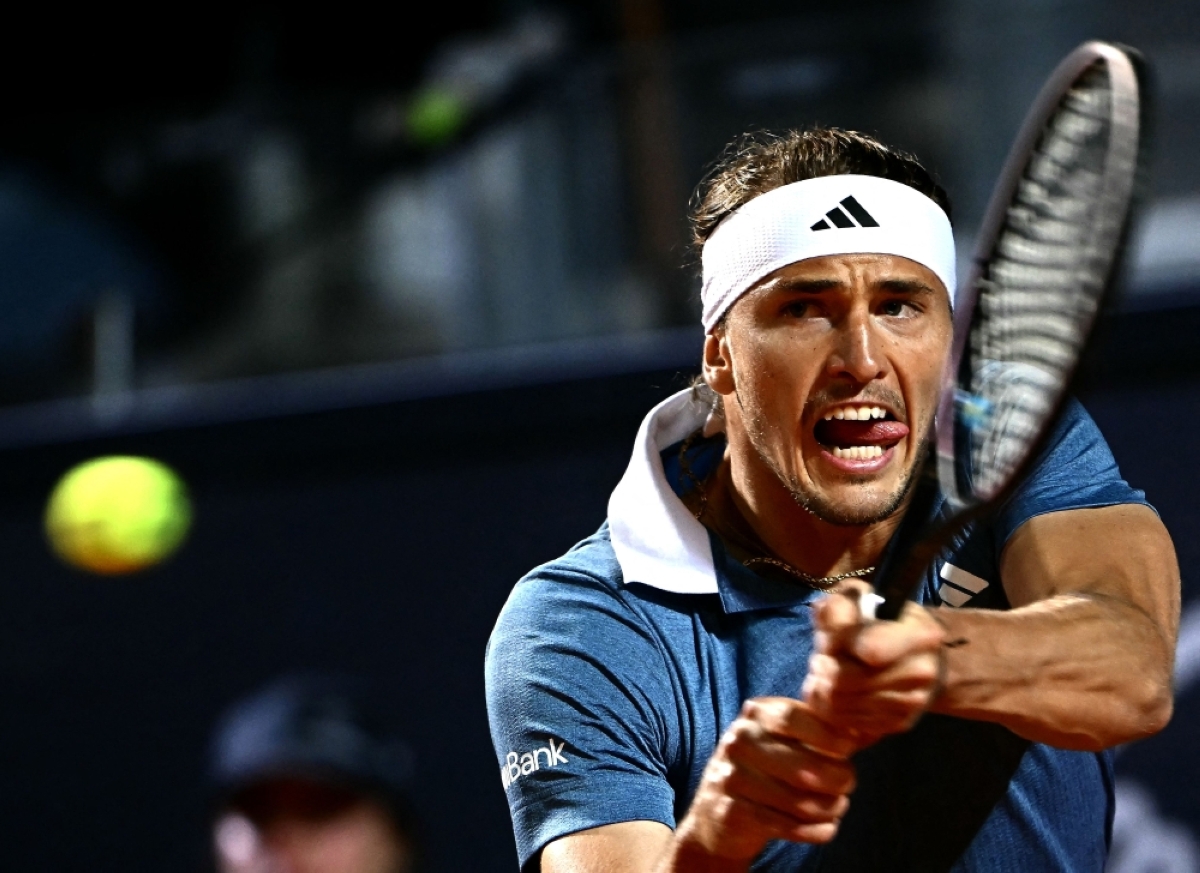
(686, 856)
(635, 847)
(1074, 671)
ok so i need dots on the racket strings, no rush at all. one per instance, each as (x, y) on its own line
(1043, 284)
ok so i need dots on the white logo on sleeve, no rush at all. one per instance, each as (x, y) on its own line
(517, 765)
(959, 585)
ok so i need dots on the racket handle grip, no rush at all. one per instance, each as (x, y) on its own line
(869, 603)
(911, 548)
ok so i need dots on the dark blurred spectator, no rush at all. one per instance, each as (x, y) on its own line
(310, 779)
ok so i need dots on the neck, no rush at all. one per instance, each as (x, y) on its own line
(752, 510)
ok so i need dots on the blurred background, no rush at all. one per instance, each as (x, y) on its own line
(391, 290)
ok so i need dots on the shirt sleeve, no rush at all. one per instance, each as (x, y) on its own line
(575, 691)
(1076, 470)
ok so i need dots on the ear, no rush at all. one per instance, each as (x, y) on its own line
(718, 363)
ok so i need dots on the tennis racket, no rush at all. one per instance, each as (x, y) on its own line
(1050, 244)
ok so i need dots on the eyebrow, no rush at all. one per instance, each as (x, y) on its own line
(803, 286)
(911, 287)
(906, 286)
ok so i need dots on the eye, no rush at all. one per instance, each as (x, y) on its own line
(798, 308)
(899, 309)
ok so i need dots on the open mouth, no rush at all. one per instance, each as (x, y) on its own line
(859, 433)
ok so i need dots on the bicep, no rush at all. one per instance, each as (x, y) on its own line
(626, 847)
(1122, 552)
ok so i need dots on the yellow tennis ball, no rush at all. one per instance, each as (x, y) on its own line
(117, 514)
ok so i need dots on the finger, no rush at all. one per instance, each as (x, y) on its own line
(836, 611)
(848, 696)
(801, 807)
(836, 620)
(800, 770)
(748, 745)
(814, 833)
(849, 677)
(746, 817)
(880, 643)
(885, 713)
(796, 721)
(864, 717)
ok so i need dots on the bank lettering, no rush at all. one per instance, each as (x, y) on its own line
(517, 764)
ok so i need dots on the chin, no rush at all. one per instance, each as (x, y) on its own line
(849, 516)
(851, 509)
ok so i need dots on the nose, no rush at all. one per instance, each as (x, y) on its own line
(857, 354)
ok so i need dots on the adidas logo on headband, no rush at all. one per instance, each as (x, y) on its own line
(841, 219)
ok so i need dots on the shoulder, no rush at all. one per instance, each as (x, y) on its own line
(574, 608)
(1075, 433)
(1075, 470)
(1078, 459)
(586, 577)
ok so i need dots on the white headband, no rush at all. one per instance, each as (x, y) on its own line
(828, 215)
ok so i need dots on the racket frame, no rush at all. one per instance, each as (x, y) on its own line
(915, 546)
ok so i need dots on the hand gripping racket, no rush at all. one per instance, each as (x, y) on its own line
(1050, 243)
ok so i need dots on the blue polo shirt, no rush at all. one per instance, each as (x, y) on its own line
(611, 674)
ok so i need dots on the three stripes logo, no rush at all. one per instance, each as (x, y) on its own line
(841, 219)
(959, 585)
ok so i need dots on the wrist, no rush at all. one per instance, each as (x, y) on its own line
(952, 639)
(696, 848)
(688, 856)
(939, 682)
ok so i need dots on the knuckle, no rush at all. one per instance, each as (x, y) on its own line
(718, 773)
(925, 669)
(839, 807)
(816, 833)
(815, 808)
(870, 648)
(739, 733)
(724, 809)
(732, 752)
(761, 711)
(740, 741)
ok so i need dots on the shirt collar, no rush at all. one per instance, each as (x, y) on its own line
(657, 540)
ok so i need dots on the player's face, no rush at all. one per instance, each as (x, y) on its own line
(831, 371)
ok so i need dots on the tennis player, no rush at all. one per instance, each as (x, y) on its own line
(685, 689)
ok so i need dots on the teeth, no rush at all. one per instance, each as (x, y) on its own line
(858, 453)
(856, 413)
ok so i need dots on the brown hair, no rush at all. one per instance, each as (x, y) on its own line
(756, 163)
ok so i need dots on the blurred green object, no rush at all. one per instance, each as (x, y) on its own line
(117, 514)
(436, 116)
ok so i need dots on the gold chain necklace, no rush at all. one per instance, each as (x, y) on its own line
(821, 583)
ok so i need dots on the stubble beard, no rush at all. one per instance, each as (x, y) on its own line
(844, 513)
(850, 513)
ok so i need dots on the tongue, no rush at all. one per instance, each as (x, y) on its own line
(860, 433)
